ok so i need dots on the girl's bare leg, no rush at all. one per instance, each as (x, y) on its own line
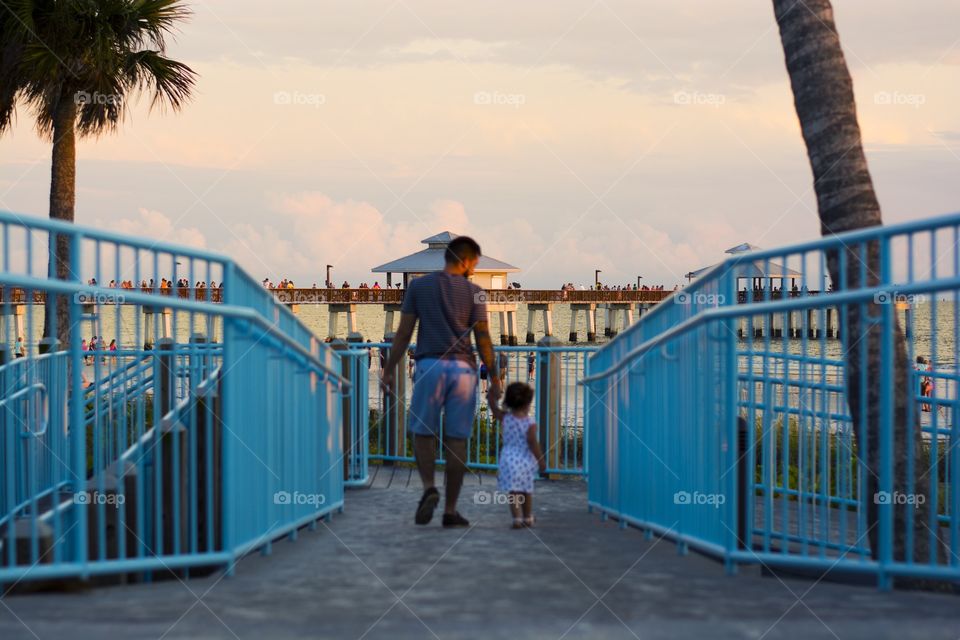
(516, 508)
(528, 508)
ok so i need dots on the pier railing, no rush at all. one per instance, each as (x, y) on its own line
(111, 295)
(492, 296)
(189, 434)
(814, 455)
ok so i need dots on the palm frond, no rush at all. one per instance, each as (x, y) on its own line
(148, 22)
(170, 81)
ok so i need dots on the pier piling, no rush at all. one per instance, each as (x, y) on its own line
(546, 312)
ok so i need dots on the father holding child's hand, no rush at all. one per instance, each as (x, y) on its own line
(449, 307)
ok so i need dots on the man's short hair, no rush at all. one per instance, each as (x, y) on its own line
(460, 249)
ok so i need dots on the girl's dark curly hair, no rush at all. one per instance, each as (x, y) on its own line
(518, 396)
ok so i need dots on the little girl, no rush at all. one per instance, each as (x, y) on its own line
(520, 457)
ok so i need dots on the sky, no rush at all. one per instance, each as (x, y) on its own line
(642, 138)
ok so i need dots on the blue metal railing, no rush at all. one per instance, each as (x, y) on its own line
(355, 364)
(559, 407)
(211, 429)
(732, 427)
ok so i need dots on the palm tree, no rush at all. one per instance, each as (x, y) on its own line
(825, 105)
(75, 63)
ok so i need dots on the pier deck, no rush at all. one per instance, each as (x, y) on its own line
(370, 573)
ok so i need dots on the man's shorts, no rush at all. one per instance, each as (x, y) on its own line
(443, 385)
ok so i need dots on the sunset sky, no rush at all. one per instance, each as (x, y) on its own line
(640, 138)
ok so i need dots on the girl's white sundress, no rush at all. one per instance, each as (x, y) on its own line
(518, 466)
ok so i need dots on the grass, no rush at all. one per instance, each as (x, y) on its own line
(485, 442)
(111, 428)
(825, 463)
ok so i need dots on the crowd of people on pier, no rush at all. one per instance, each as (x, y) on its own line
(284, 284)
(606, 287)
(181, 283)
(288, 284)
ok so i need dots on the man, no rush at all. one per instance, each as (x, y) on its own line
(449, 307)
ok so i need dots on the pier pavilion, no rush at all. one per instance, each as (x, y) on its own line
(491, 274)
(766, 279)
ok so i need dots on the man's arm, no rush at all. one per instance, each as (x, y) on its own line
(481, 333)
(399, 345)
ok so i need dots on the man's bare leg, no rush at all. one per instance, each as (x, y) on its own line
(425, 454)
(455, 450)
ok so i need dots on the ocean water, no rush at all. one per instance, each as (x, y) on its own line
(369, 318)
(933, 328)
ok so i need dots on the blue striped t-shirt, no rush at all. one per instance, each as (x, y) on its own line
(448, 307)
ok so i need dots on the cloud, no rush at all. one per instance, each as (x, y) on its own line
(310, 230)
(158, 226)
(645, 44)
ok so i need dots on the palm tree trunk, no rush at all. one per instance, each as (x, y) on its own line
(825, 104)
(63, 175)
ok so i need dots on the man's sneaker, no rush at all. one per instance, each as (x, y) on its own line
(428, 502)
(455, 520)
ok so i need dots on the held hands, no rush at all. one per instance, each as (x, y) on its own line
(542, 463)
(386, 378)
(493, 399)
(494, 392)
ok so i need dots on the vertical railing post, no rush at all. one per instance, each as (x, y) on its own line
(173, 453)
(346, 411)
(165, 372)
(209, 469)
(228, 389)
(394, 409)
(198, 364)
(354, 443)
(549, 401)
(745, 463)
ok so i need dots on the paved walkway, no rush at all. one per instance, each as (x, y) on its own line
(372, 574)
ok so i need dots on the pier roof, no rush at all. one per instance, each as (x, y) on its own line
(755, 269)
(432, 259)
